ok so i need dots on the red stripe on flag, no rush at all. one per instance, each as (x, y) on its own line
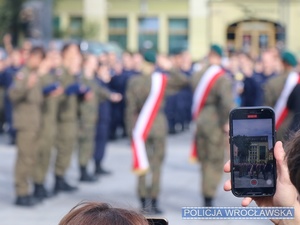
(206, 93)
(283, 114)
(135, 157)
(156, 107)
(194, 154)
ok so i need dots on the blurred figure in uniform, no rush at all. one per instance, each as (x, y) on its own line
(118, 84)
(88, 111)
(52, 90)
(138, 61)
(67, 115)
(7, 79)
(2, 92)
(26, 97)
(269, 65)
(102, 80)
(212, 102)
(280, 93)
(146, 123)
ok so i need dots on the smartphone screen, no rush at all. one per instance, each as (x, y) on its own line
(157, 221)
(252, 135)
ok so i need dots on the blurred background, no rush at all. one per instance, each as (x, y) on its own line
(249, 25)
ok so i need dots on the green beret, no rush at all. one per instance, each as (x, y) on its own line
(150, 56)
(217, 49)
(289, 58)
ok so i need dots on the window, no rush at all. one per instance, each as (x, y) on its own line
(178, 34)
(76, 25)
(56, 27)
(118, 31)
(148, 33)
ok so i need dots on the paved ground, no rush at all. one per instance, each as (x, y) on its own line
(180, 187)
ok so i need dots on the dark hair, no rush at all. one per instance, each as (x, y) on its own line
(293, 159)
(67, 46)
(38, 50)
(94, 213)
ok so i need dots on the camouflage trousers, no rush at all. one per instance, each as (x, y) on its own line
(211, 152)
(27, 148)
(46, 142)
(65, 142)
(149, 184)
(86, 143)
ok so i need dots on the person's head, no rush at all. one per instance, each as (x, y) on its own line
(90, 65)
(36, 56)
(127, 60)
(289, 60)
(16, 58)
(55, 58)
(215, 55)
(293, 159)
(93, 213)
(69, 51)
(138, 61)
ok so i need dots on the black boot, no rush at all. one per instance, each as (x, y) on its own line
(85, 177)
(62, 185)
(145, 209)
(155, 209)
(40, 192)
(99, 169)
(208, 202)
(26, 201)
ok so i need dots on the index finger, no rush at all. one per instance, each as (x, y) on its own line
(227, 167)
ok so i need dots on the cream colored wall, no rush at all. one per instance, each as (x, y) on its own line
(293, 36)
(207, 23)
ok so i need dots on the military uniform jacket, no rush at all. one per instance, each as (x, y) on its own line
(26, 102)
(67, 106)
(218, 104)
(138, 90)
(88, 109)
(273, 90)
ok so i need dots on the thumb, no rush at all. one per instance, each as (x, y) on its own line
(282, 169)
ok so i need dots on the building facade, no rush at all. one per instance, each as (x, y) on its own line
(249, 25)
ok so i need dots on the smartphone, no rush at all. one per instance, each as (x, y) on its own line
(252, 138)
(157, 221)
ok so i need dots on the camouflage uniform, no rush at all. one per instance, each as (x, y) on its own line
(210, 135)
(48, 131)
(88, 111)
(137, 92)
(27, 103)
(273, 90)
(67, 126)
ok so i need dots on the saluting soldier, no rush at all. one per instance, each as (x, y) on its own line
(212, 102)
(147, 125)
(67, 115)
(52, 90)
(280, 93)
(27, 97)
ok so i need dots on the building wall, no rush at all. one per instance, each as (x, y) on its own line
(208, 20)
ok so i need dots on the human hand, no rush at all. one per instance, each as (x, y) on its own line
(57, 92)
(115, 97)
(88, 96)
(285, 195)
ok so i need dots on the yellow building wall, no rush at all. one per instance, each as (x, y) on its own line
(208, 19)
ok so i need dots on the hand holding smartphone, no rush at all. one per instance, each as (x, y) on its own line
(252, 138)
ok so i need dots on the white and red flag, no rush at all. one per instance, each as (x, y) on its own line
(203, 89)
(280, 108)
(145, 121)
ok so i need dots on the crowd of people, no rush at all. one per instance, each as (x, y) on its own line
(59, 98)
